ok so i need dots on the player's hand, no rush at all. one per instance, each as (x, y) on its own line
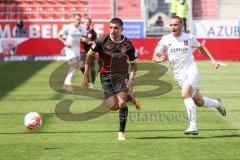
(67, 44)
(129, 84)
(84, 39)
(85, 81)
(163, 58)
(160, 59)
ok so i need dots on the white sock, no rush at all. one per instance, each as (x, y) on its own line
(68, 79)
(208, 102)
(191, 110)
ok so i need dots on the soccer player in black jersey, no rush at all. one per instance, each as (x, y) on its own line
(115, 51)
(91, 36)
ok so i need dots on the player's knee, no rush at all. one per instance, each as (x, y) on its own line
(184, 96)
(199, 102)
(113, 108)
(75, 65)
(121, 104)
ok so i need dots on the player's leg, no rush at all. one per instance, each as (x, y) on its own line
(120, 87)
(92, 72)
(73, 66)
(207, 102)
(132, 98)
(112, 103)
(118, 102)
(123, 114)
(187, 92)
(82, 62)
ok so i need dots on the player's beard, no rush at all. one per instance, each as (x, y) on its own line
(116, 36)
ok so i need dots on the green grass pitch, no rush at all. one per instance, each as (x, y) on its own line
(155, 132)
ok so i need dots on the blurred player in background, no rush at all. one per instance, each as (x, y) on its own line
(173, 8)
(21, 30)
(71, 35)
(115, 50)
(178, 46)
(91, 36)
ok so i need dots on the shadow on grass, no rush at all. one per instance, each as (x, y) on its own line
(14, 74)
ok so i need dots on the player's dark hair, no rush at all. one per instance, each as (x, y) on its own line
(177, 17)
(90, 20)
(117, 21)
(77, 14)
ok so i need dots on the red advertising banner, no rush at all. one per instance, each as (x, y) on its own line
(44, 29)
(221, 49)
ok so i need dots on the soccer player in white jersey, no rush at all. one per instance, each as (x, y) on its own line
(177, 47)
(71, 35)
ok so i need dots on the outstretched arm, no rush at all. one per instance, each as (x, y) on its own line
(206, 53)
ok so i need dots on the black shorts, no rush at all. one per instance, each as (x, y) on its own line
(82, 56)
(114, 83)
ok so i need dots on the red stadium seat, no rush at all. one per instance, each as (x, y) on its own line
(68, 16)
(25, 9)
(39, 9)
(58, 9)
(57, 16)
(45, 16)
(24, 16)
(38, 1)
(70, 9)
(14, 16)
(33, 16)
(61, 1)
(14, 8)
(3, 9)
(3, 16)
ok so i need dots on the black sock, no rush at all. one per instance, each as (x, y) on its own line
(123, 114)
(82, 69)
(93, 75)
(129, 98)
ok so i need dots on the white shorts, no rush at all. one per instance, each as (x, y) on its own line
(191, 79)
(74, 60)
(72, 53)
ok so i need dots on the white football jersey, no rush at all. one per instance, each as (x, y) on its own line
(73, 34)
(180, 53)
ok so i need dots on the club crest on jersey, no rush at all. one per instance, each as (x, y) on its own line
(186, 42)
(109, 46)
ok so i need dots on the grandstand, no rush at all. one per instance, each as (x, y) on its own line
(35, 10)
(205, 9)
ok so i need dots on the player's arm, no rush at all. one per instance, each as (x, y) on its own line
(207, 54)
(133, 57)
(133, 70)
(159, 55)
(84, 39)
(62, 39)
(85, 80)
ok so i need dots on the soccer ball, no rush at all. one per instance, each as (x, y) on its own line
(32, 120)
